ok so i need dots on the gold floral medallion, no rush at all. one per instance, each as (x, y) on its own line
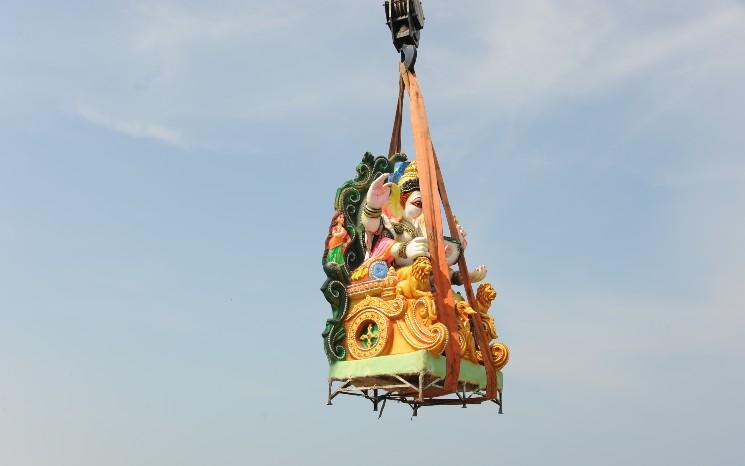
(368, 335)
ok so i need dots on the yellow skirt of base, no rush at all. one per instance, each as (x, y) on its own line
(394, 315)
(379, 326)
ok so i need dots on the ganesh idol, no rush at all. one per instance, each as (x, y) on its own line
(394, 224)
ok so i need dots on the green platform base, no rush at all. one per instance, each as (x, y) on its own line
(409, 364)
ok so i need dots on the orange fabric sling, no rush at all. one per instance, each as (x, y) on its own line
(434, 194)
(483, 343)
(395, 146)
(428, 185)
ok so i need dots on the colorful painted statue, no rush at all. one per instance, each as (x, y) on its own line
(393, 221)
(378, 269)
(337, 241)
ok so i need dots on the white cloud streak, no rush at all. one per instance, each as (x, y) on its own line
(133, 128)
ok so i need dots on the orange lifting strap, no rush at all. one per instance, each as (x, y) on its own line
(433, 195)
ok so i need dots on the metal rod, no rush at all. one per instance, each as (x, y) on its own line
(380, 414)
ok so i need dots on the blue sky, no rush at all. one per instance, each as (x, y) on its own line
(167, 172)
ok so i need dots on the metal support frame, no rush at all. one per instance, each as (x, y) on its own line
(413, 390)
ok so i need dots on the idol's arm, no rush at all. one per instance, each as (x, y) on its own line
(477, 274)
(452, 251)
(377, 196)
(406, 251)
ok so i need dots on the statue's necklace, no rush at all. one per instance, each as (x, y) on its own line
(404, 226)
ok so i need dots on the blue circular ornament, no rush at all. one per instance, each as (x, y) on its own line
(378, 270)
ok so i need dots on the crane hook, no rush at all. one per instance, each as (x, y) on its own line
(405, 19)
(408, 56)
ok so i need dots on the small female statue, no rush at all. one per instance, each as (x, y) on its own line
(337, 240)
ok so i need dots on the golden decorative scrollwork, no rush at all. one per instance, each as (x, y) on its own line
(500, 354)
(467, 345)
(419, 328)
(390, 308)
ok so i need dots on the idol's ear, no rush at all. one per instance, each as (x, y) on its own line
(393, 206)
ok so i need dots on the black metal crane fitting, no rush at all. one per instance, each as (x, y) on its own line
(405, 18)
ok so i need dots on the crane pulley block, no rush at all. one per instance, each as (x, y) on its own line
(405, 18)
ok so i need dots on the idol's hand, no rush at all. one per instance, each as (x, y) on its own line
(462, 237)
(417, 247)
(478, 274)
(379, 192)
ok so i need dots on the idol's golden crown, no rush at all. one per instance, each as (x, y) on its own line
(410, 179)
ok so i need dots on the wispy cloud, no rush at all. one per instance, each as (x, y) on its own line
(535, 51)
(165, 28)
(133, 128)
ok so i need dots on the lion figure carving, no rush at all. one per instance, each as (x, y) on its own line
(484, 297)
(413, 281)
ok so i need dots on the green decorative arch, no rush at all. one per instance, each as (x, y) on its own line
(349, 198)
